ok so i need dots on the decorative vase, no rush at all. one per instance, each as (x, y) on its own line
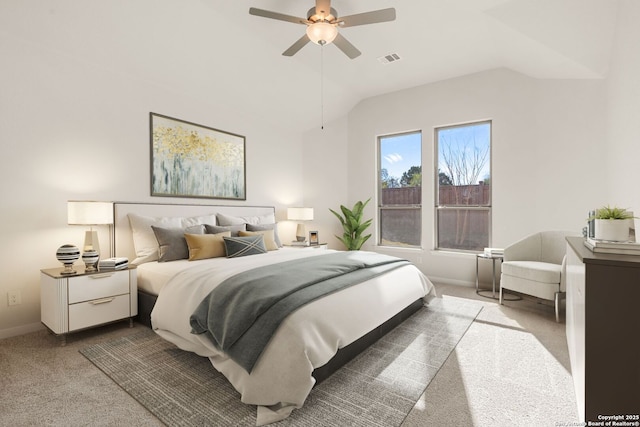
(67, 255)
(90, 259)
(614, 230)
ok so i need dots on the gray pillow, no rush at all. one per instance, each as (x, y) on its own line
(262, 227)
(172, 245)
(243, 246)
(234, 229)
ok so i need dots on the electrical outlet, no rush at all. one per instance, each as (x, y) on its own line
(14, 298)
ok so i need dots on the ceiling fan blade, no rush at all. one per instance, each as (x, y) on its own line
(323, 7)
(344, 45)
(373, 17)
(302, 41)
(276, 15)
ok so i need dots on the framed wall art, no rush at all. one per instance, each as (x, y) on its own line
(191, 160)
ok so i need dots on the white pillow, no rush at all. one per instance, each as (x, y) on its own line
(237, 220)
(144, 239)
(197, 220)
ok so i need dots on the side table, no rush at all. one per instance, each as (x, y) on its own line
(493, 259)
(309, 246)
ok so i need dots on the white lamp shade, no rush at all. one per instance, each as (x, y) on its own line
(89, 213)
(322, 33)
(300, 214)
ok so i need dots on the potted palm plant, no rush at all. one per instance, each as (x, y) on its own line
(612, 223)
(353, 226)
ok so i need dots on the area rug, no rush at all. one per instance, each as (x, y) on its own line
(378, 388)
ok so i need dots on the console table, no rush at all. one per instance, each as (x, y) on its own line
(603, 330)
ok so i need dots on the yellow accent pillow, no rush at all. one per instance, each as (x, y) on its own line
(203, 246)
(268, 235)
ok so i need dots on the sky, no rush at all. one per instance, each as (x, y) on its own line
(399, 152)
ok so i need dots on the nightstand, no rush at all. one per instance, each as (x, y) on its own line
(70, 303)
(318, 246)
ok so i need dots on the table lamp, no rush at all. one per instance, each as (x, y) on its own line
(300, 214)
(90, 213)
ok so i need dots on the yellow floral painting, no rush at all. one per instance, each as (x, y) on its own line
(190, 160)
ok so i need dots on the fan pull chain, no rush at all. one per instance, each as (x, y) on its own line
(322, 87)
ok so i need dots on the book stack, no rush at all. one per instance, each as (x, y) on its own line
(118, 263)
(493, 252)
(296, 243)
(607, 247)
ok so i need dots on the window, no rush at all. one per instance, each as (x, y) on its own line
(400, 190)
(463, 187)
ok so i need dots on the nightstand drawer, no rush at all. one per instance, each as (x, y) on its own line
(99, 285)
(95, 312)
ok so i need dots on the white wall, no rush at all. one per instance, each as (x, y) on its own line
(547, 137)
(71, 129)
(623, 137)
(325, 178)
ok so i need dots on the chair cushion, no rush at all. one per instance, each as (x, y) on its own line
(543, 272)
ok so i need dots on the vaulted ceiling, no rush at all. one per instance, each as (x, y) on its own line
(214, 50)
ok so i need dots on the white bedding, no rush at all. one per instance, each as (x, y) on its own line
(152, 276)
(307, 339)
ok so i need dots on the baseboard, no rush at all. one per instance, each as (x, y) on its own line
(20, 330)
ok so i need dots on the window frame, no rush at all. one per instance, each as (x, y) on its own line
(447, 207)
(380, 207)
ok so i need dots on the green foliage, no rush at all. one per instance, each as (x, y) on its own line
(607, 212)
(412, 177)
(444, 179)
(351, 220)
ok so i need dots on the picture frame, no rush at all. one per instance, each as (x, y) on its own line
(192, 160)
(313, 238)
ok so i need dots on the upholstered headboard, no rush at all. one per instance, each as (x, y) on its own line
(123, 240)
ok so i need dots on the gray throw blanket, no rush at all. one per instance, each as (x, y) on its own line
(242, 313)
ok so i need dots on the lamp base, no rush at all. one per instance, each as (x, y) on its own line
(90, 259)
(91, 241)
(301, 233)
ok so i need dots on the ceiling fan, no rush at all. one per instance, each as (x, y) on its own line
(322, 25)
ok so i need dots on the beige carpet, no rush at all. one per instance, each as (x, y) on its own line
(510, 369)
(378, 388)
(484, 382)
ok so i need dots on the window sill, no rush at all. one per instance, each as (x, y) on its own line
(446, 253)
(398, 248)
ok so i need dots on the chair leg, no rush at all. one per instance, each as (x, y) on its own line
(500, 294)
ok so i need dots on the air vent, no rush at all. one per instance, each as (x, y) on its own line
(387, 59)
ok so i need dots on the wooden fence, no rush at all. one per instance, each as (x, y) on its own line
(474, 195)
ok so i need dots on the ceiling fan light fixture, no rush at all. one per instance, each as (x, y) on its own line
(322, 33)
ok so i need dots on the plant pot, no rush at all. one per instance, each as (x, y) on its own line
(614, 230)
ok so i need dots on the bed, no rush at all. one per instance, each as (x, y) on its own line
(307, 346)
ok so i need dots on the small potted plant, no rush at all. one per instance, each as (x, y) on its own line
(353, 226)
(612, 224)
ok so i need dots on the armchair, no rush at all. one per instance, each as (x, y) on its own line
(536, 266)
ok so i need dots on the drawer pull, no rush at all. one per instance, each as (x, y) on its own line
(101, 301)
(101, 275)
